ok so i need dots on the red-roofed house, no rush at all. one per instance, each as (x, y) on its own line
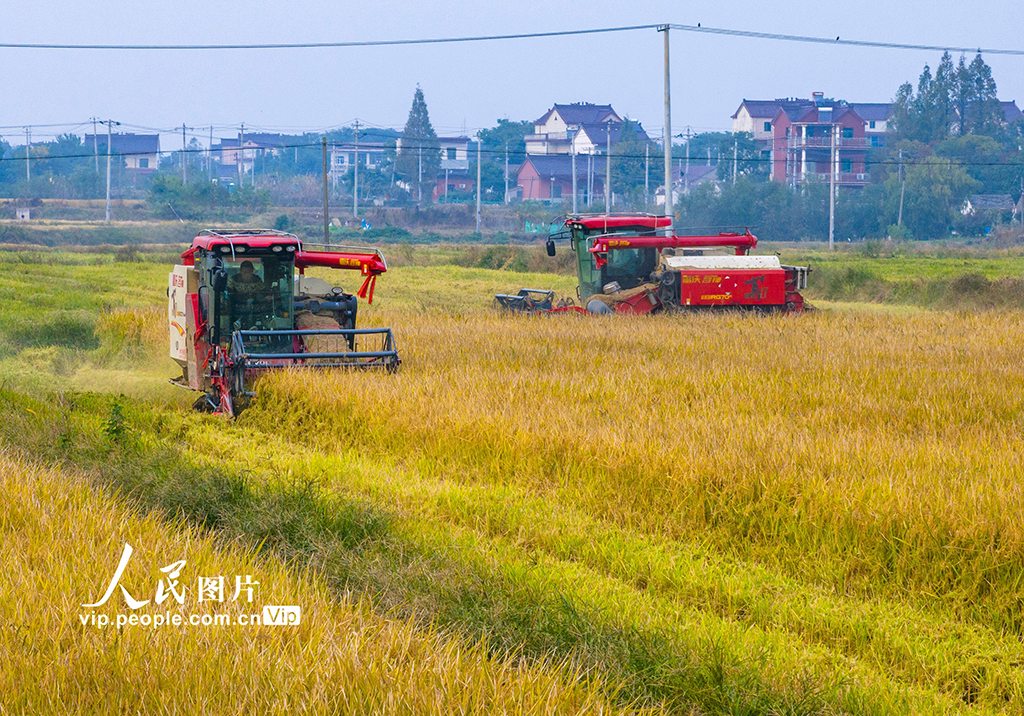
(802, 142)
(549, 177)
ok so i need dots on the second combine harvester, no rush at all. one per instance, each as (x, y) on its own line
(624, 266)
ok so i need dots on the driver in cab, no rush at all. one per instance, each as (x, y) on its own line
(248, 295)
(246, 282)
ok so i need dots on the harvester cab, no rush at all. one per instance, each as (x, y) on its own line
(240, 305)
(624, 266)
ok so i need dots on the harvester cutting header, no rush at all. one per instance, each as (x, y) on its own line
(624, 266)
(238, 308)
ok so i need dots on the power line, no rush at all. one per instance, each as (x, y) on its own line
(784, 37)
(522, 153)
(839, 41)
(319, 45)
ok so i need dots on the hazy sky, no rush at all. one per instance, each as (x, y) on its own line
(470, 85)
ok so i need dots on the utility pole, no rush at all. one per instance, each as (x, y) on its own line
(209, 157)
(95, 146)
(28, 150)
(572, 148)
(355, 178)
(735, 157)
(419, 177)
(608, 168)
(832, 193)
(647, 175)
(669, 210)
(240, 156)
(446, 170)
(478, 216)
(506, 172)
(184, 175)
(110, 125)
(327, 220)
(686, 174)
(590, 179)
(903, 187)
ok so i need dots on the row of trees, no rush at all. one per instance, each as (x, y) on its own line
(955, 101)
(949, 139)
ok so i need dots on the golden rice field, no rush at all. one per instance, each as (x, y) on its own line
(712, 514)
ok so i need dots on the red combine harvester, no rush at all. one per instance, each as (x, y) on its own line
(238, 308)
(624, 266)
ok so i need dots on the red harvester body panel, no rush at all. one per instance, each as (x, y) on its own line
(733, 287)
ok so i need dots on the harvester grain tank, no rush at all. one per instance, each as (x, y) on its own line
(624, 266)
(240, 305)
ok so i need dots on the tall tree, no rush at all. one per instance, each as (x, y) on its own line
(903, 113)
(963, 94)
(942, 98)
(985, 111)
(419, 158)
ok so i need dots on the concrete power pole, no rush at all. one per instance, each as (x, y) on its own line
(686, 172)
(95, 145)
(608, 168)
(240, 156)
(572, 149)
(109, 132)
(903, 187)
(28, 151)
(478, 216)
(355, 177)
(832, 192)
(419, 176)
(647, 175)
(590, 178)
(669, 210)
(327, 220)
(209, 158)
(506, 173)
(735, 156)
(184, 148)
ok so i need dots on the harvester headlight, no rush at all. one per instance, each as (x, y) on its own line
(276, 248)
(241, 248)
(225, 249)
(291, 248)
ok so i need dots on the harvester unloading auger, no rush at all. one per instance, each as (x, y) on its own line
(624, 266)
(238, 308)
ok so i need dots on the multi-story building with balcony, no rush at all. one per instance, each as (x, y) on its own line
(808, 144)
(756, 117)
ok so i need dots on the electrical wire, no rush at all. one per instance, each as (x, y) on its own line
(699, 28)
(841, 42)
(906, 161)
(320, 45)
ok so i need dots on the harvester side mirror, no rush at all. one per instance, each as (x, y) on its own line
(219, 280)
(551, 247)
